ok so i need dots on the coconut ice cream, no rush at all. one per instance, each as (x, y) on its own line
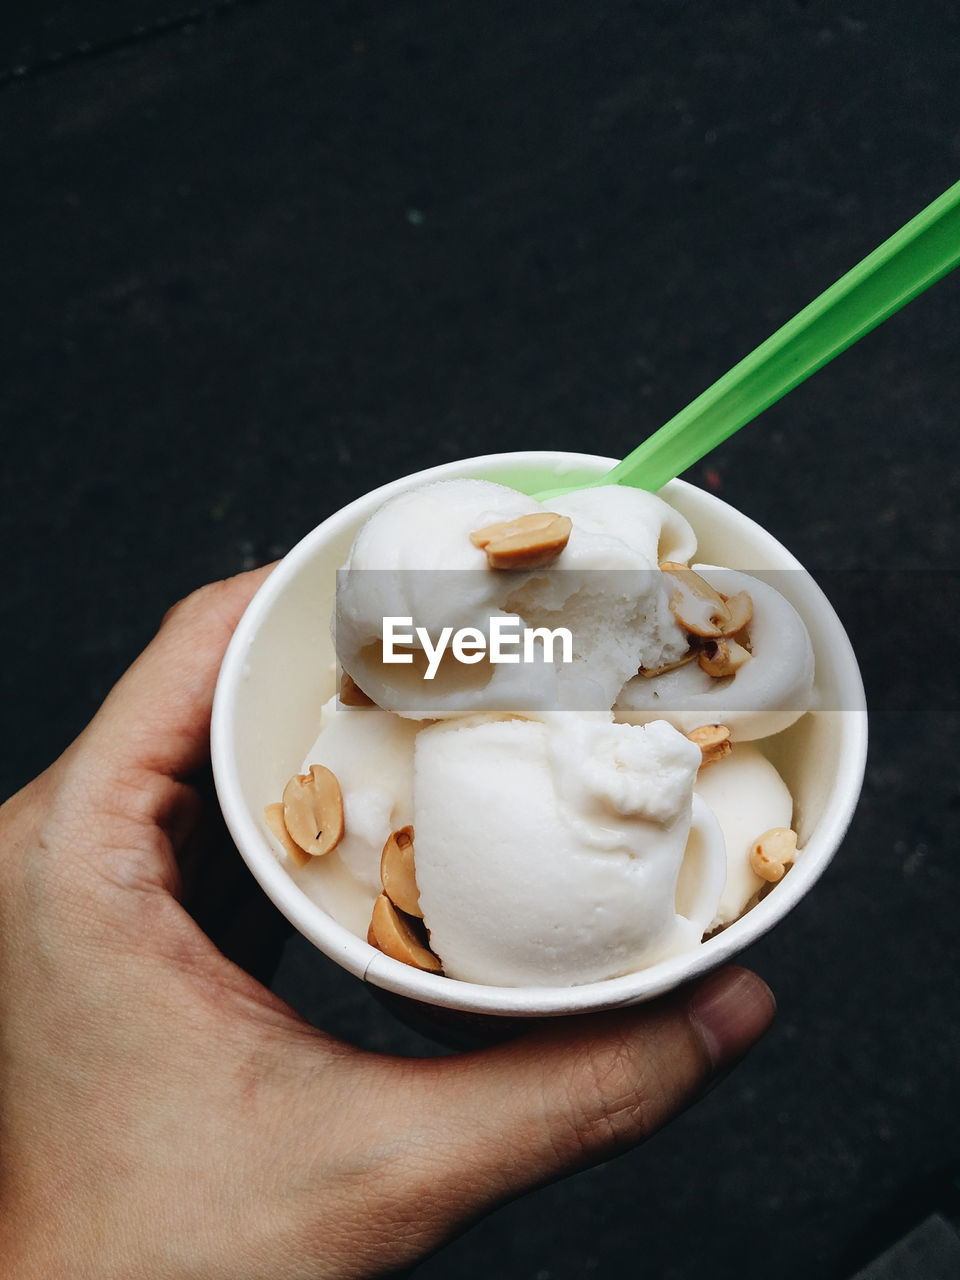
(557, 824)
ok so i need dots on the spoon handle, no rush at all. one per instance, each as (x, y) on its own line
(914, 258)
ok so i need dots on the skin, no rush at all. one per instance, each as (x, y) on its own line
(164, 1116)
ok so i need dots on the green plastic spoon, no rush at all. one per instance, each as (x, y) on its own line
(914, 258)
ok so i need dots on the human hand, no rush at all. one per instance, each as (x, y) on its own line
(163, 1115)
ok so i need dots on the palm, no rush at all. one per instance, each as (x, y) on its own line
(163, 1114)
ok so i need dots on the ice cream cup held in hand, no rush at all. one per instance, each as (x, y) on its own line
(280, 669)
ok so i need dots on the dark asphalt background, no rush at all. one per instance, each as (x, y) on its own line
(259, 257)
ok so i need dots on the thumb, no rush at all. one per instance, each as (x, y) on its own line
(580, 1090)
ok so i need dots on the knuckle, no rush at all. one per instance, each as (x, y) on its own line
(610, 1101)
(197, 602)
(619, 1090)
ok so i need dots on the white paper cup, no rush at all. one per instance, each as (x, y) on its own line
(278, 672)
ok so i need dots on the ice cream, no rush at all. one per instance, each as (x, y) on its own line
(415, 559)
(580, 856)
(562, 826)
(747, 797)
(769, 693)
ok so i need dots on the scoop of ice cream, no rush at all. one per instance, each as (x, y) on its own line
(548, 852)
(614, 515)
(771, 691)
(748, 797)
(371, 754)
(415, 559)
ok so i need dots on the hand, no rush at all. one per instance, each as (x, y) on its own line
(163, 1115)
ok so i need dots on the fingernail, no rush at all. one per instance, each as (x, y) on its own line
(730, 1009)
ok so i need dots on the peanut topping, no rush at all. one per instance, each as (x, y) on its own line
(740, 608)
(273, 814)
(711, 621)
(351, 695)
(713, 741)
(395, 936)
(526, 542)
(697, 607)
(313, 810)
(397, 873)
(721, 658)
(650, 672)
(773, 852)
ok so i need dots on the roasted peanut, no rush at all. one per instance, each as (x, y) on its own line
(313, 810)
(526, 542)
(351, 695)
(719, 658)
(649, 672)
(713, 741)
(740, 608)
(397, 873)
(273, 814)
(697, 607)
(395, 936)
(772, 853)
